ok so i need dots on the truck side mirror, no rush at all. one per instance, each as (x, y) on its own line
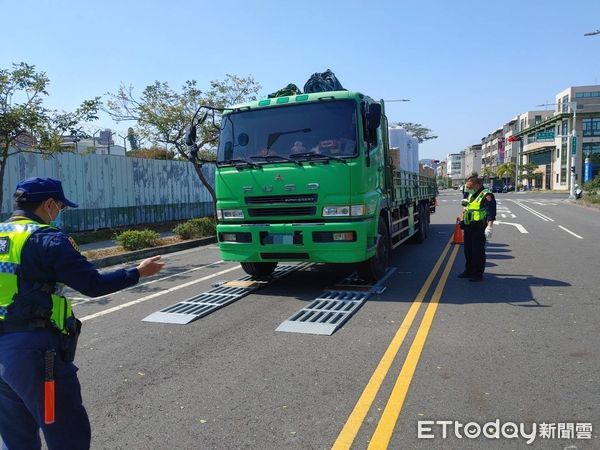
(373, 116)
(190, 136)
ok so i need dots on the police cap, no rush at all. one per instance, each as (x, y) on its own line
(39, 189)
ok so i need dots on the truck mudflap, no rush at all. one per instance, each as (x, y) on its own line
(340, 242)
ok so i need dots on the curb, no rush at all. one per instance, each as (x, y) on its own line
(583, 204)
(148, 252)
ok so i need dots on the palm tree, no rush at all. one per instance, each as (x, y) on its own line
(528, 169)
(487, 173)
(506, 171)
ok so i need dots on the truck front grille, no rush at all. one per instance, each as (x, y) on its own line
(289, 211)
(270, 199)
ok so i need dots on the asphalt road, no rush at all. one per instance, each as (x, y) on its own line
(521, 347)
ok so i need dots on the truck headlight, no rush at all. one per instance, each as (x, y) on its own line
(343, 211)
(336, 211)
(230, 214)
(357, 210)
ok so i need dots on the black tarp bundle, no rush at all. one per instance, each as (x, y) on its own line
(323, 82)
(318, 82)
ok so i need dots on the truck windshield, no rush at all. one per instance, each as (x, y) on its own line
(294, 132)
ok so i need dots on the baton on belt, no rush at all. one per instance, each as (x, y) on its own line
(49, 387)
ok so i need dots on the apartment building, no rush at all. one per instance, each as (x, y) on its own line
(491, 147)
(455, 167)
(568, 136)
(472, 161)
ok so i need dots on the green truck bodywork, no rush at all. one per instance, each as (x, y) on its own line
(309, 178)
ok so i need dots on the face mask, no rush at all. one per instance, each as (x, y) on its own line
(54, 223)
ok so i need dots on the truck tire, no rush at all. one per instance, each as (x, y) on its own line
(374, 268)
(425, 218)
(422, 227)
(259, 269)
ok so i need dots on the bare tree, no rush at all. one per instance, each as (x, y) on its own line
(163, 114)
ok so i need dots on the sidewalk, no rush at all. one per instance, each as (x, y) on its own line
(134, 255)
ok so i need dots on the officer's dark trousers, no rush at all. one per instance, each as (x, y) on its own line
(22, 395)
(474, 247)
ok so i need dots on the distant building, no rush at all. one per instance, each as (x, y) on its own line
(569, 134)
(101, 145)
(454, 163)
(472, 160)
(441, 169)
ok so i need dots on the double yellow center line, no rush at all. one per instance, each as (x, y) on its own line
(387, 422)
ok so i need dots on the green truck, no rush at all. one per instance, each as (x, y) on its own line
(309, 178)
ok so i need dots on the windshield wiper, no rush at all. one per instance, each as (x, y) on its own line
(237, 163)
(279, 157)
(318, 156)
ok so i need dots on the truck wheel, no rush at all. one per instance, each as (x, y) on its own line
(374, 268)
(259, 269)
(421, 234)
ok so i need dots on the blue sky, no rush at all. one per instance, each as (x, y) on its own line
(467, 66)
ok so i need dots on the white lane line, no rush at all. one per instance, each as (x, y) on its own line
(534, 212)
(537, 213)
(80, 300)
(156, 294)
(520, 227)
(570, 232)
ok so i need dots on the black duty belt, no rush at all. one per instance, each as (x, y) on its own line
(476, 222)
(20, 326)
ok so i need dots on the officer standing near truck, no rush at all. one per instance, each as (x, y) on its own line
(39, 388)
(478, 220)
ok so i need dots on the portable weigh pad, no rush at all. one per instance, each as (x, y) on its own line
(222, 295)
(334, 307)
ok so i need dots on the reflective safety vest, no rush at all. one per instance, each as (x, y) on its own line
(13, 236)
(473, 211)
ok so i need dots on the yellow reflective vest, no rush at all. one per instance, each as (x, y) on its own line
(13, 236)
(473, 211)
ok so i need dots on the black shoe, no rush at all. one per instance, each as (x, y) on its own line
(476, 278)
(465, 274)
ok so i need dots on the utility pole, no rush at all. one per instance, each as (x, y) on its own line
(110, 135)
(124, 143)
(94, 138)
(573, 140)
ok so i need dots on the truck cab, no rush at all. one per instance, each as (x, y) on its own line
(307, 178)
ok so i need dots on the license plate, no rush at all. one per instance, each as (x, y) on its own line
(280, 239)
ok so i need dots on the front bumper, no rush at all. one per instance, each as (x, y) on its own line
(297, 242)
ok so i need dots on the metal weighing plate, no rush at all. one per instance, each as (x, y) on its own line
(333, 308)
(203, 304)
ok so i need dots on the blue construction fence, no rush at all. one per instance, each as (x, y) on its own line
(115, 191)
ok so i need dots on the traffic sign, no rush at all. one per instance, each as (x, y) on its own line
(544, 136)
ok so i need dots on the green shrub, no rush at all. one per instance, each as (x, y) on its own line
(196, 228)
(593, 186)
(137, 239)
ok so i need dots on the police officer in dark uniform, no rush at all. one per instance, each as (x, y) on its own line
(478, 219)
(38, 331)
